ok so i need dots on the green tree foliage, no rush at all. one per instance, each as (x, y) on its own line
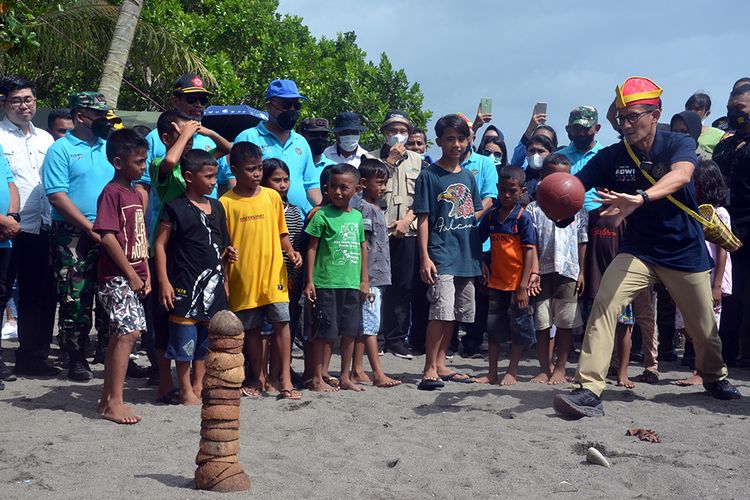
(238, 46)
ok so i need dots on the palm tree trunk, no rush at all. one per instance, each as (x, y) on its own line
(119, 49)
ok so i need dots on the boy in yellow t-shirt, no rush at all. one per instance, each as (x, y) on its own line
(258, 280)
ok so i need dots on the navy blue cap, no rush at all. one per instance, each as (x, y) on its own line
(347, 121)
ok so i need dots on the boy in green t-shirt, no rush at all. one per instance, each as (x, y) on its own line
(337, 278)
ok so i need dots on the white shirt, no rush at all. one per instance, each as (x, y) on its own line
(332, 153)
(25, 154)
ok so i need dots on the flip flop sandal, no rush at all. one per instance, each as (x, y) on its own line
(170, 398)
(250, 392)
(649, 377)
(332, 381)
(289, 394)
(451, 377)
(430, 385)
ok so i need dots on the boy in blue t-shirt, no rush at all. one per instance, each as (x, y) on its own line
(446, 200)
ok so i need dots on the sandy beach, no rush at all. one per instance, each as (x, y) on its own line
(465, 441)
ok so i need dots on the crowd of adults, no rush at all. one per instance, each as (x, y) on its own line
(49, 251)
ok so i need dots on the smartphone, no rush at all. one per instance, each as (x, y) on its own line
(485, 105)
(540, 108)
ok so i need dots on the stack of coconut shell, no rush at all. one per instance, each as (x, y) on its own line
(219, 468)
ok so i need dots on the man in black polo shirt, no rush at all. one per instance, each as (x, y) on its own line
(661, 242)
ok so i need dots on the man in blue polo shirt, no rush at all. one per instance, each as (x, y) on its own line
(74, 173)
(661, 242)
(583, 125)
(277, 139)
(486, 175)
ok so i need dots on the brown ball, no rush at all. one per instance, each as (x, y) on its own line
(224, 343)
(225, 324)
(219, 448)
(220, 435)
(220, 424)
(238, 482)
(202, 458)
(223, 361)
(221, 393)
(220, 412)
(210, 382)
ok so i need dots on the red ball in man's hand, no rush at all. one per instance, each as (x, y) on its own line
(560, 195)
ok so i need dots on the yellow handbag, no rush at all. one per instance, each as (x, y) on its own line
(715, 230)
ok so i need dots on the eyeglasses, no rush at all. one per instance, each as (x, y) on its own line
(17, 101)
(287, 105)
(192, 99)
(632, 118)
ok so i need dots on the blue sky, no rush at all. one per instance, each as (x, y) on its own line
(566, 53)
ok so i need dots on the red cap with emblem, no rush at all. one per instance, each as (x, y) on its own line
(638, 90)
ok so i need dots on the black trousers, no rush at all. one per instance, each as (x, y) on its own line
(665, 312)
(397, 300)
(5, 255)
(31, 265)
(734, 329)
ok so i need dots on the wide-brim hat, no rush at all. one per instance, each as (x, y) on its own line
(347, 121)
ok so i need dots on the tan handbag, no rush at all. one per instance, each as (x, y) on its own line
(715, 230)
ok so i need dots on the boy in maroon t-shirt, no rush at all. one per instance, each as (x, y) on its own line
(123, 269)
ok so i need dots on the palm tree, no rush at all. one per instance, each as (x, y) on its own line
(76, 38)
(119, 50)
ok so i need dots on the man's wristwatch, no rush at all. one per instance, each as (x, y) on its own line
(644, 195)
(16, 216)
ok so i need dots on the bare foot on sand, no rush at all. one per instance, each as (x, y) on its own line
(557, 378)
(542, 378)
(120, 414)
(271, 387)
(625, 382)
(320, 386)
(509, 379)
(486, 379)
(385, 381)
(361, 377)
(347, 384)
(189, 398)
(694, 380)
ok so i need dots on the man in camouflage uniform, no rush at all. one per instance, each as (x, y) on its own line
(74, 173)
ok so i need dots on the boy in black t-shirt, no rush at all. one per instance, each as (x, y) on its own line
(192, 245)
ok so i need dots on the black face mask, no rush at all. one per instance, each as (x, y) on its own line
(101, 127)
(582, 142)
(317, 146)
(738, 119)
(288, 119)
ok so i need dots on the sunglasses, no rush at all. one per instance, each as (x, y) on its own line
(192, 99)
(632, 118)
(287, 105)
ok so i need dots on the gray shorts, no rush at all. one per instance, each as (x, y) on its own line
(451, 298)
(557, 304)
(277, 312)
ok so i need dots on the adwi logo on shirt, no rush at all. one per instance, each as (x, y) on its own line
(460, 198)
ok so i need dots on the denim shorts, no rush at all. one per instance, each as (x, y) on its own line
(188, 339)
(371, 311)
(506, 322)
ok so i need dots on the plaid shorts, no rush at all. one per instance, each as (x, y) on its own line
(123, 307)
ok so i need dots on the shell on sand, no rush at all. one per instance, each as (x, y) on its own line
(220, 412)
(594, 456)
(219, 448)
(225, 324)
(223, 361)
(238, 482)
(202, 458)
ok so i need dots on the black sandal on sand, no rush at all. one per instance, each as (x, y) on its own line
(170, 398)
(649, 377)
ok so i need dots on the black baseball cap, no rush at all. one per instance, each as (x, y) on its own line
(190, 83)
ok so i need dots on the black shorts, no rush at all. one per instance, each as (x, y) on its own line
(157, 316)
(337, 311)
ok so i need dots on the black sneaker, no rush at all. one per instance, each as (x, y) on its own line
(36, 368)
(5, 373)
(723, 389)
(579, 403)
(79, 371)
(668, 356)
(400, 351)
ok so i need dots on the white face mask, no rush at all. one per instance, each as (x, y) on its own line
(392, 140)
(349, 143)
(535, 161)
